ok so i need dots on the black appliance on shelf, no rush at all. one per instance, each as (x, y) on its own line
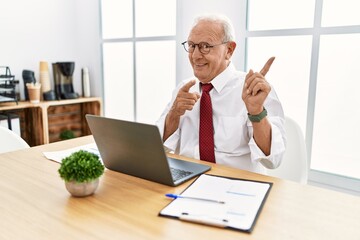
(63, 78)
(7, 85)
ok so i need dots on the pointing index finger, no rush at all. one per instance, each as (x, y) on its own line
(188, 85)
(267, 66)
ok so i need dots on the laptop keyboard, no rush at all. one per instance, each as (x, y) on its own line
(179, 173)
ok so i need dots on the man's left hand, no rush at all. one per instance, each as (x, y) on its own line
(256, 89)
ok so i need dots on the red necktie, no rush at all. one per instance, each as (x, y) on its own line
(206, 130)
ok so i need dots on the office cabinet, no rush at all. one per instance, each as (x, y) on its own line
(43, 122)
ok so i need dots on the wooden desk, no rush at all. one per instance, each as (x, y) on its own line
(35, 205)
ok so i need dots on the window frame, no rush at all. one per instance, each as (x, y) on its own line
(316, 177)
(134, 39)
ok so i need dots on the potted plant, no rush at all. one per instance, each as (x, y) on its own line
(81, 172)
(66, 134)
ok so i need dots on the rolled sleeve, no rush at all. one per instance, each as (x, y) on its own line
(172, 141)
(278, 142)
(171, 144)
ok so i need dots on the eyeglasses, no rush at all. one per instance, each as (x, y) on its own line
(204, 47)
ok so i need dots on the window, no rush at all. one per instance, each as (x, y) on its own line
(284, 14)
(316, 44)
(118, 83)
(335, 140)
(289, 78)
(117, 19)
(153, 77)
(340, 13)
(138, 57)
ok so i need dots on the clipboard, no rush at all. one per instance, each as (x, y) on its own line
(218, 201)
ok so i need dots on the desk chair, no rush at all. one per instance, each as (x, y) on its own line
(10, 141)
(294, 164)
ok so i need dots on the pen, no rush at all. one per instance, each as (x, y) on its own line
(217, 222)
(175, 196)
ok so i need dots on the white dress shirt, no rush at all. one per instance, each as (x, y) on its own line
(233, 132)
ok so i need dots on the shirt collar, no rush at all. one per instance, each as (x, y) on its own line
(220, 80)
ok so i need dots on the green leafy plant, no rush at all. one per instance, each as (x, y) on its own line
(67, 134)
(81, 166)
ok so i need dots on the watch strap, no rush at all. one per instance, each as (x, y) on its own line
(258, 117)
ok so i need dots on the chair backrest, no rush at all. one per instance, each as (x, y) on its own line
(294, 164)
(10, 141)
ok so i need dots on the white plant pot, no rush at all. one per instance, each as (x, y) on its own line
(83, 189)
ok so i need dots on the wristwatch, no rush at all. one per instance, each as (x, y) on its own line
(258, 117)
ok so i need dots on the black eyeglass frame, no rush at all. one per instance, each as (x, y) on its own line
(208, 46)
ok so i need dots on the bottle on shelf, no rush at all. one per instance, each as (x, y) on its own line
(85, 82)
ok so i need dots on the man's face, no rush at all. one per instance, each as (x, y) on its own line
(207, 66)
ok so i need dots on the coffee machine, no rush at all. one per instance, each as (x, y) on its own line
(63, 78)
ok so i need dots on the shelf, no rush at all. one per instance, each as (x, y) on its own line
(42, 123)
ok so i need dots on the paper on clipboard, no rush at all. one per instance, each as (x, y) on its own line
(243, 202)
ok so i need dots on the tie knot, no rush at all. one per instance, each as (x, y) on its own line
(206, 87)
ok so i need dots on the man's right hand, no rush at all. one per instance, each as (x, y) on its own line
(184, 101)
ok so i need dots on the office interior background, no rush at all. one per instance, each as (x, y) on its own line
(134, 54)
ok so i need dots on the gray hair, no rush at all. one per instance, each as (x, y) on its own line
(229, 32)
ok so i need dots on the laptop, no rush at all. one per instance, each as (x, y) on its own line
(137, 149)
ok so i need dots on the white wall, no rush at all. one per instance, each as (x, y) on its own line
(187, 10)
(57, 30)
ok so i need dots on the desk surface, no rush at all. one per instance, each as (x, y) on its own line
(34, 204)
